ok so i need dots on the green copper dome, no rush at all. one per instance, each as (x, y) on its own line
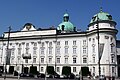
(101, 16)
(66, 25)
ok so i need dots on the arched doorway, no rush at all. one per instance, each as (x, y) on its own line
(1, 69)
(26, 70)
(66, 70)
(33, 69)
(85, 71)
(11, 69)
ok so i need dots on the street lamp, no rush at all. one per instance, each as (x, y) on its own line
(98, 46)
(6, 57)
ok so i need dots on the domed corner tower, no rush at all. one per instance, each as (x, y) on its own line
(66, 25)
(103, 24)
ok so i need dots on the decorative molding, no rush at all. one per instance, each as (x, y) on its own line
(39, 42)
(94, 55)
(74, 46)
(74, 55)
(23, 43)
(32, 42)
(93, 45)
(66, 56)
(10, 43)
(85, 55)
(66, 46)
(47, 42)
(106, 37)
(16, 43)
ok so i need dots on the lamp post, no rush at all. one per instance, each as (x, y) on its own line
(6, 57)
(46, 60)
(98, 46)
(39, 42)
(55, 54)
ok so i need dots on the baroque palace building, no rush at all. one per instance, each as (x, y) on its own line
(35, 49)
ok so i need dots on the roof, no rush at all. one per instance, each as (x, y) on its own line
(101, 16)
(68, 26)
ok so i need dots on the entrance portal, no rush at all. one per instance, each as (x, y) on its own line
(26, 70)
(1, 69)
(11, 69)
(85, 71)
(33, 69)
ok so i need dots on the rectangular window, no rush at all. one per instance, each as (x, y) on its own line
(113, 69)
(74, 43)
(66, 60)
(12, 51)
(26, 60)
(58, 50)
(35, 44)
(34, 51)
(112, 58)
(42, 69)
(27, 45)
(58, 43)
(50, 50)
(34, 60)
(93, 40)
(103, 69)
(58, 69)
(93, 59)
(18, 59)
(50, 60)
(84, 42)
(112, 48)
(19, 51)
(74, 50)
(50, 44)
(84, 50)
(42, 60)
(42, 50)
(93, 48)
(19, 45)
(12, 60)
(84, 60)
(74, 69)
(93, 69)
(66, 50)
(27, 50)
(58, 60)
(66, 42)
(42, 44)
(74, 60)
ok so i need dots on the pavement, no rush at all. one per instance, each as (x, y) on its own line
(11, 77)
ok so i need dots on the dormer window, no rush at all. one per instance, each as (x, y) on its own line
(109, 17)
(28, 27)
(94, 18)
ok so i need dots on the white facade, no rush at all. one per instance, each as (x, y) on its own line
(49, 47)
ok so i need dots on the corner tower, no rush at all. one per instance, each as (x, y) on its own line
(103, 24)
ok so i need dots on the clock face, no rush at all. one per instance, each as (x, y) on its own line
(28, 27)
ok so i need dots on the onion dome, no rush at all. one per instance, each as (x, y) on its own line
(66, 25)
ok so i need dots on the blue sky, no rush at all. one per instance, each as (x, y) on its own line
(46, 13)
